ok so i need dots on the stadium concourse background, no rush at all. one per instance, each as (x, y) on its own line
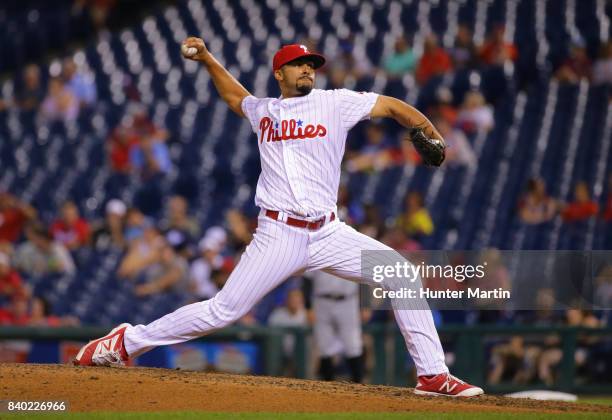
(127, 185)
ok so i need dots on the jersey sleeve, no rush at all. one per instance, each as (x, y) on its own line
(354, 106)
(249, 107)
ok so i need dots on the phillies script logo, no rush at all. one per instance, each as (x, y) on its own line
(289, 130)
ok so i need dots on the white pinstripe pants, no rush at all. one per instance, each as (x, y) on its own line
(276, 252)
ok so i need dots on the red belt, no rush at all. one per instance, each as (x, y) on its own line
(304, 224)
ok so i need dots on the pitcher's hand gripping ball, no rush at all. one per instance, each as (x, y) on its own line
(188, 51)
(432, 151)
(194, 48)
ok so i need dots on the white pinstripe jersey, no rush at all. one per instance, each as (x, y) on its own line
(301, 143)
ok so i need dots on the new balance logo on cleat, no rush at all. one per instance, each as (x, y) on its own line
(105, 351)
(446, 385)
(106, 345)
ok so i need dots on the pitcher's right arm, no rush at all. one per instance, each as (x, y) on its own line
(230, 89)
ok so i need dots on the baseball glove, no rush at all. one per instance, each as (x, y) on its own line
(432, 151)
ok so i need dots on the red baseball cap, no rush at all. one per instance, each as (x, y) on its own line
(293, 52)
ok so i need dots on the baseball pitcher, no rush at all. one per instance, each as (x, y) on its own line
(301, 138)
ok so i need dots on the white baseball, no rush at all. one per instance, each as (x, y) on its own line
(189, 51)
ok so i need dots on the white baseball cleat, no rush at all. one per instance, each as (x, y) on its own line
(445, 384)
(106, 351)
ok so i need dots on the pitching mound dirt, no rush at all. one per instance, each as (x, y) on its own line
(140, 389)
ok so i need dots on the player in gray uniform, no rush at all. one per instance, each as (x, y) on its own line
(337, 321)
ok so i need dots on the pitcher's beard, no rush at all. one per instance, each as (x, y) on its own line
(304, 89)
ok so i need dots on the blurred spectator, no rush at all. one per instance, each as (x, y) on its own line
(434, 61)
(293, 314)
(71, 230)
(497, 276)
(10, 281)
(371, 156)
(373, 224)
(397, 239)
(603, 283)
(202, 284)
(582, 208)
(6, 248)
(180, 241)
(122, 139)
(402, 61)
(551, 356)
(5, 315)
(345, 67)
(546, 313)
(177, 217)
(31, 94)
(496, 51)
(459, 151)
(99, 10)
(218, 277)
(40, 255)
(349, 210)
(18, 313)
(249, 320)
(513, 361)
(41, 315)
(576, 66)
(14, 214)
(79, 83)
(109, 232)
(217, 236)
(536, 206)
(60, 103)
(143, 252)
(239, 229)
(136, 143)
(35, 312)
(150, 157)
(602, 70)
(143, 126)
(415, 220)
(406, 154)
(463, 53)
(135, 224)
(475, 114)
(443, 106)
(169, 271)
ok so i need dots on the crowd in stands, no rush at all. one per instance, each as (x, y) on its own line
(166, 250)
(537, 207)
(69, 88)
(525, 359)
